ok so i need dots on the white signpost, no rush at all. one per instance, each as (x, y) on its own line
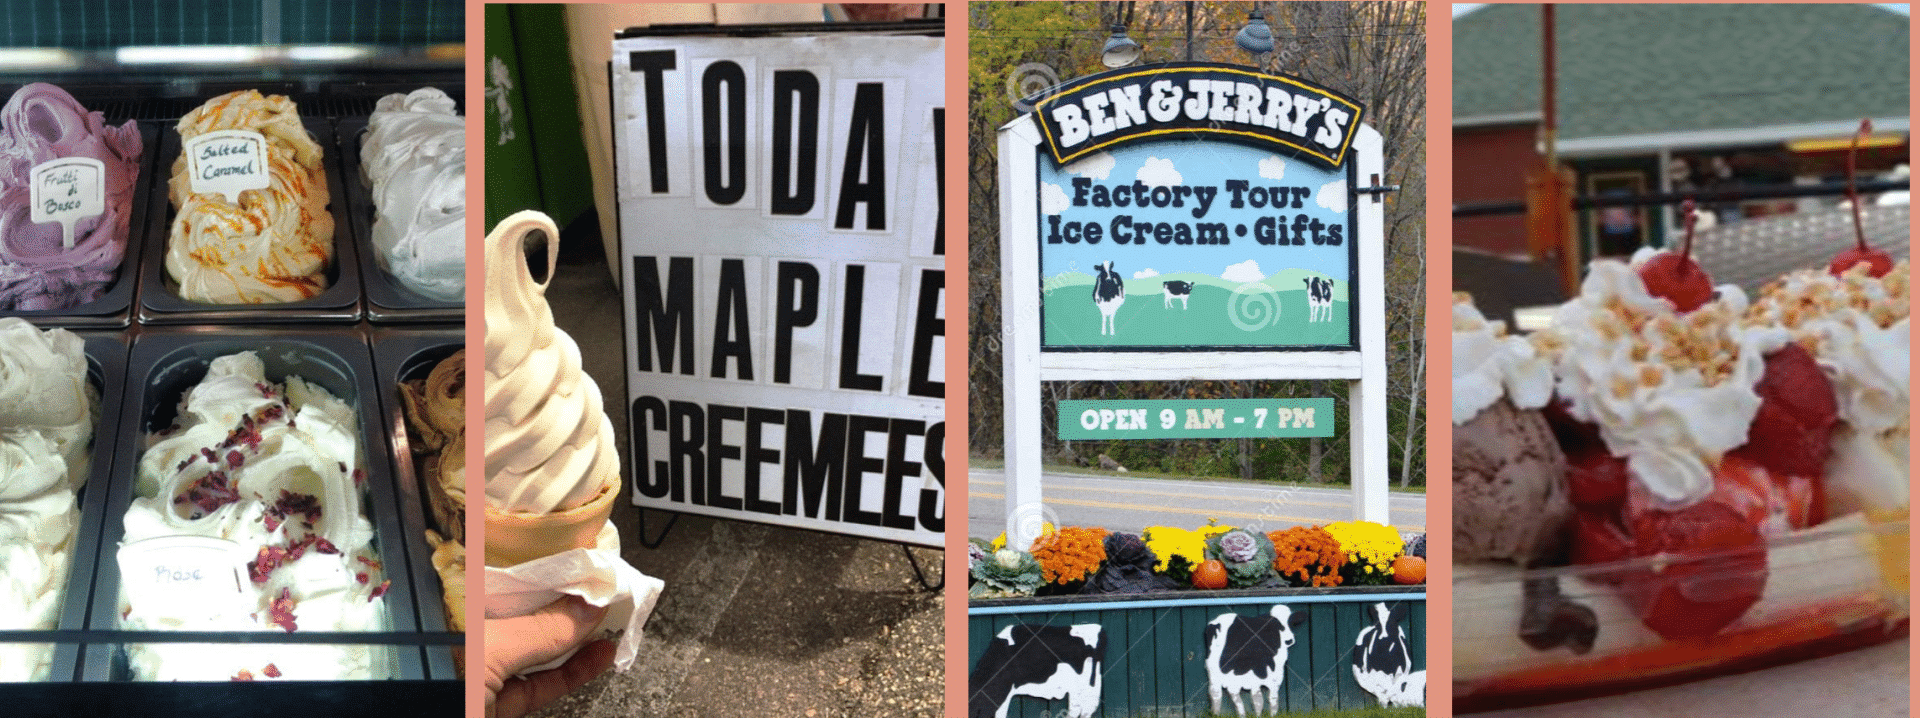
(1190, 221)
(784, 274)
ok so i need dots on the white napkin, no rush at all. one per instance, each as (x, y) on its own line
(598, 575)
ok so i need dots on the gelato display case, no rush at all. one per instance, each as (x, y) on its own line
(288, 553)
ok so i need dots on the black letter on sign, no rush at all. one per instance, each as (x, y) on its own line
(653, 478)
(653, 63)
(813, 469)
(858, 465)
(933, 513)
(757, 419)
(927, 324)
(788, 314)
(732, 309)
(794, 195)
(850, 376)
(735, 145)
(686, 433)
(898, 469)
(940, 179)
(869, 119)
(719, 450)
(656, 316)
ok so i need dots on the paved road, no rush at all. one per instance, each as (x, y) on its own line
(1131, 504)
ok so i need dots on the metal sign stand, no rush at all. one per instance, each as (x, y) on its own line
(1026, 366)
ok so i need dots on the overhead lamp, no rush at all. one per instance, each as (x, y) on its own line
(1120, 50)
(1256, 37)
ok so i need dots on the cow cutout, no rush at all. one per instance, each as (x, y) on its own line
(1383, 663)
(1178, 290)
(1045, 662)
(1109, 292)
(1319, 299)
(1248, 654)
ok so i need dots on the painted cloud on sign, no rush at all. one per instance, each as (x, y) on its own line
(1332, 195)
(1147, 273)
(1053, 200)
(1248, 271)
(1273, 168)
(1096, 166)
(1158, 172)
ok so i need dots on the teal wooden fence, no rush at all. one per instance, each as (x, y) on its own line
(1155, 662)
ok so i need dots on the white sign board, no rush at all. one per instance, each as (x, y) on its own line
(1204, 135)
(783, 265)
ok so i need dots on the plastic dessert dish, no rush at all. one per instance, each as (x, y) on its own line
(166, 366)
(1674, 480)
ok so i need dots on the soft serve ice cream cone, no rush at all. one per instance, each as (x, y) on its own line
(552, 473)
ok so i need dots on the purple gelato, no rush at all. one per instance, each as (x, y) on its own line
(41, 123)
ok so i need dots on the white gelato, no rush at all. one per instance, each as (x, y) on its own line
(415, 159)
(275, 469)
(1488, 363)
(1858, 329)
(47, 415)
(1671, 393)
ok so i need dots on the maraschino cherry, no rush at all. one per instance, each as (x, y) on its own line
(1878, 262)
(1675, 277)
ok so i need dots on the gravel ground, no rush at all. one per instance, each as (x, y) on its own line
(756, 620)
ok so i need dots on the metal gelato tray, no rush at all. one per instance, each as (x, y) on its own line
(388, 300)
(402, 355)
(113, 309)
(163, 365)
(160, 300)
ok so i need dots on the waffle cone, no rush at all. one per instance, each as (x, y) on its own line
(516, 538)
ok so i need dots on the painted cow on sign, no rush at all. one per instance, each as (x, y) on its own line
(1319, 299)
(1045, 662)
(1108, 294)
(1180, 291)
(1383, 662)
(1249, 653)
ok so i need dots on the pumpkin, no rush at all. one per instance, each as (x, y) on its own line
(1211, 575)
(1409, 570)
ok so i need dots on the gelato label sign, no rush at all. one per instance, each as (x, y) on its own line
(781, 213)
(227, 162)
(184, 574)
(68, 190)
(1196, 419)
(1274, 112)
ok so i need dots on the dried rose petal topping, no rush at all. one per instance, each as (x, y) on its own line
(324, 546)
(271, 670)
(379, 591)
(281, 612)
(243, 675)
(361, 577)
(370, 562)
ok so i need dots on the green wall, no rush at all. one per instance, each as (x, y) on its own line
(543, 165)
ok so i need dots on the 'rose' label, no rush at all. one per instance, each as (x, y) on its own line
(68, 190)
(227, 162)
(182, 576)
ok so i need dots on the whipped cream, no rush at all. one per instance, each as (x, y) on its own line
(1488, 364)
(549, 445)
(47, 415)
(276, 243)
(415, 159)
(1671, 393)
(276, 469)
(1858, 330)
